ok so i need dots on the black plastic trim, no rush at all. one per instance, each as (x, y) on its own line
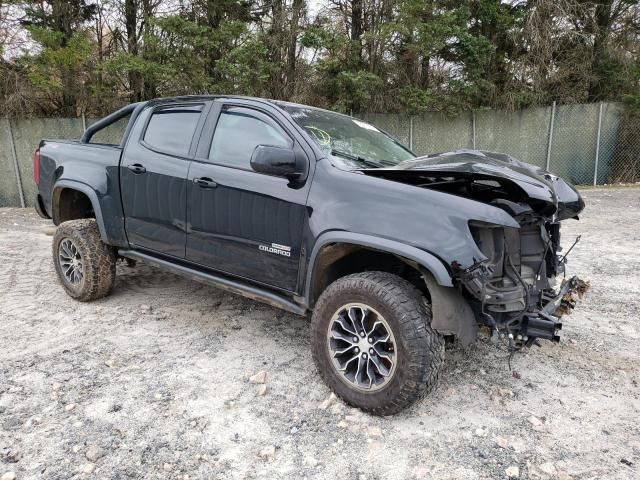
(93, 198)
(108, 120)
(204, 112)
(422, 258)
(39, 206)
(248, 291)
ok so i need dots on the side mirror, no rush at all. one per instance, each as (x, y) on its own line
(276, 161)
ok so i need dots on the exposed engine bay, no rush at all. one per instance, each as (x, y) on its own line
(519, 289)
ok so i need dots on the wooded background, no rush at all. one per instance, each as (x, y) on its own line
(438, 74)
(73, 57)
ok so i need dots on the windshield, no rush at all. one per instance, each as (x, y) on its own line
(351, 143)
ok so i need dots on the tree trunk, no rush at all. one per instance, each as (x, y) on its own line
(293, 47)
(62, 21)
(149, 87)
(357, 28)
(602, 27)
(214, 18)
(131, 27)
(276, 40)
(424, 68)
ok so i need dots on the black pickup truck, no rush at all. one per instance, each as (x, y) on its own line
(313, 211)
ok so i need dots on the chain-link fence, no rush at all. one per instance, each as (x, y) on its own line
(591, 144)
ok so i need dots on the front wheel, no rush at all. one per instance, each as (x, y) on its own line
(86, 267)
(373, 344)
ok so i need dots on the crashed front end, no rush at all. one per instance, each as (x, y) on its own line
(520, 290)
(517, 284)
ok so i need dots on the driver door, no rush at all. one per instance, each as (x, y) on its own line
(241, 222)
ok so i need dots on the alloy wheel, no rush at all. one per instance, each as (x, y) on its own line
(362, 347)
(70, 261)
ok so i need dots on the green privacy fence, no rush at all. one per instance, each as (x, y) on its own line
(18, 140)
(587, 144)
(590, 144)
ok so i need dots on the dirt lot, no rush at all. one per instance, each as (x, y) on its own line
(152, 382)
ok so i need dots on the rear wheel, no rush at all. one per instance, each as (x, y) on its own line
(86, 267)
(373, 344)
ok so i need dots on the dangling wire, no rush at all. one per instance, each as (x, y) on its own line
(512, 347)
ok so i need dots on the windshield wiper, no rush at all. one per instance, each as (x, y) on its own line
(357, 158)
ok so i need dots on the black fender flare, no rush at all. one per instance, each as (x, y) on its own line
(450, 311)
(91, 195)
(424, 259)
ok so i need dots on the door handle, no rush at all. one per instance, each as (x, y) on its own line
(205, 182)
(137, 168)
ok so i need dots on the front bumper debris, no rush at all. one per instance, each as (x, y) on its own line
(544, 323)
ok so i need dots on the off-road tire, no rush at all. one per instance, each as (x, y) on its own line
(419, 349)
(99, 260)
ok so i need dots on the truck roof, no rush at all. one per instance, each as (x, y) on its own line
(279, 103)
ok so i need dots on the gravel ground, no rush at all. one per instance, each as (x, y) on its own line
(153, 381)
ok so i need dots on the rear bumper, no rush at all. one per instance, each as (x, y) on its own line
(39, 206)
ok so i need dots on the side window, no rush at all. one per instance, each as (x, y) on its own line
(238, 132)
(111, 134)
(171, 129)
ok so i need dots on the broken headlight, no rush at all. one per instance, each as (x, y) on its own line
(490, 240)
(501, 287)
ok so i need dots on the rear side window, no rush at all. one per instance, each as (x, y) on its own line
(171, 129)
(111, 134)
(238, 132)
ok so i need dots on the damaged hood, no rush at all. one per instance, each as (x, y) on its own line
(545, 192)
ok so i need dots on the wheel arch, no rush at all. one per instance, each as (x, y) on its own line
(67, 202)
(333, 246)
(451, 312)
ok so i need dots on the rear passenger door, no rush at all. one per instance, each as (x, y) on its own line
(153, 176)
(242, 222)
